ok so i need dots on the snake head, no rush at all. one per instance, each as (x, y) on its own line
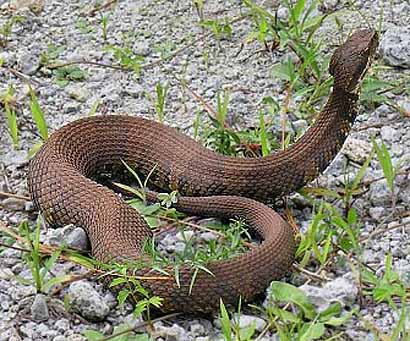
(351, 60)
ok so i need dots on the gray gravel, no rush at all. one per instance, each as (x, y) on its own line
(207, 67)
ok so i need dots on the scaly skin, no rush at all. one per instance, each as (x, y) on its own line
(210, 184)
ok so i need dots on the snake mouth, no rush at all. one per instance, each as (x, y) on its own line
(351, 60)
(368, 56)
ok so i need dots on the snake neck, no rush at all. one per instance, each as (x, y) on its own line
(316, 149)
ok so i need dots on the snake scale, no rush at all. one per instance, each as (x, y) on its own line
(209, 184)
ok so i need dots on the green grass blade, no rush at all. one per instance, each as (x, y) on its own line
(225, 322)
(38, 115)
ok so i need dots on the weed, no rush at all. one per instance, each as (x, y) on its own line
(104, 25)
(127, 58)
(38, 265)
(8, 101)
(38, 115)
(387, 287)
(6, 29)
(51, 54)
(232, 328)
(160, 100)
(132, 288)
(83, 26)
(386, 163)
(221, 28)
(68, 73)
(303, 323)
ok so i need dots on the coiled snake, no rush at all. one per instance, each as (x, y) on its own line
(209, 184)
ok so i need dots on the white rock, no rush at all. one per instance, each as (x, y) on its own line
(87, 301)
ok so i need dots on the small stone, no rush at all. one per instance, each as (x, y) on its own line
(283, 13)
(377, 212)
(184, 236)
(29, 63)
(77, 239)
(134, 90)
(4, 303)
(142, 48)
(60, 338)
(340, 290)
(300, 126)
(197, 329)
(71, 107)
(28, 206)
(6, 274)
(395, 46)
(388, 134)
(39, 308)
(380, 195)
(14, 204)
(246, 321)
(357, 150)
(15, 158)
(87, 301)
(78, 93)
(208, 236)
(62, 325)
(173, 333)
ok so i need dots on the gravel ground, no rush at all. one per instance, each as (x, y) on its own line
(154, 28)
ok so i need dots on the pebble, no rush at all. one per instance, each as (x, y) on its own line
(357, 150)
(77, 239)
(377, 213)
(246, 321)
(340, 289)
(87, 301)
(14, 204)
(39, 308)
(173, 333)
(395, 46)
(184, 236)
(79, 93)
(388, 134)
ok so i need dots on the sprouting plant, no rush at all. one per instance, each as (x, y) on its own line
(221, 28)
(140, 193)
(303, 323)
(222, 138)
(38, 115)
(51, 54)
(231, 328)
(39, 265)
(132, 288)
(68, 73)
(83, 26)
(7, 99)
(6, 29)
(386, 288)
(127, 58)
(386, 163)
(160, 100)
(104, 24)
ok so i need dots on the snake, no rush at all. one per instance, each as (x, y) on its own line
(62, 184)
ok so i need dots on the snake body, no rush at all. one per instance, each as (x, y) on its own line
(210, 184)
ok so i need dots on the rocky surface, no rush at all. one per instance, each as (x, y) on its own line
(52, 31)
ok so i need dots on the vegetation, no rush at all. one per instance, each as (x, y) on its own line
(333, 234)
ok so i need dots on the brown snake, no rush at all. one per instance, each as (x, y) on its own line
(209, 184)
